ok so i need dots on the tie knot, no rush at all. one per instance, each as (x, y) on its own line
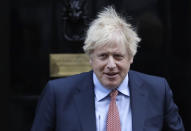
(113, 94)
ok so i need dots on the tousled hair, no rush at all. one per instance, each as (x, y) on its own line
(110, 28)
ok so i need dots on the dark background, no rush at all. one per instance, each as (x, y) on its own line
(32, 29)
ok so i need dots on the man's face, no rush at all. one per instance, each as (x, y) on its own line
(111, 64)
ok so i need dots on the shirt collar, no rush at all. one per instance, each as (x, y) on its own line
(101, 92)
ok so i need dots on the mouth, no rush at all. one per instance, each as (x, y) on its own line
(111, 75)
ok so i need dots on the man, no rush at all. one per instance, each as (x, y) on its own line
(109, 98)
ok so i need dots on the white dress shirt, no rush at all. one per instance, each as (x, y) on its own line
(102, 101)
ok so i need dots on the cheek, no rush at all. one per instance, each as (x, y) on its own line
(124, 67)
(97, 64)
(98, 67)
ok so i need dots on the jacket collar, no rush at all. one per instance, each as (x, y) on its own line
(85, 103)
(138, 99)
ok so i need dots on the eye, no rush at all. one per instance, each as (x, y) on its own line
(102, 56)
(118, 56)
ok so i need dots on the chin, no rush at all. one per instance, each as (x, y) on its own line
(111, 86)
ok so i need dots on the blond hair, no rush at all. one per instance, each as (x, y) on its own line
(107, 27)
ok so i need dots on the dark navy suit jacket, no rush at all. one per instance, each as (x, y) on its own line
(67, 104)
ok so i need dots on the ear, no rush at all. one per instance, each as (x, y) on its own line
(131, 60)
(90, 61)
(91, 58)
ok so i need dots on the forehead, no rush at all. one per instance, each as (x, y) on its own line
(111, 48)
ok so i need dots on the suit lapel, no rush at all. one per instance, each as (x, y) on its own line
(138, 101)
(84, 101)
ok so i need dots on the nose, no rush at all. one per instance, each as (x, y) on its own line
(111, 63)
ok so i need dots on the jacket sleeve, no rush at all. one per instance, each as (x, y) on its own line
(173, 121)
(45, 112)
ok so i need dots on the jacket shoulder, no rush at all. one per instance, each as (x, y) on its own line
(146, 77)
(77, 77)
(151, 83)
(70, 82)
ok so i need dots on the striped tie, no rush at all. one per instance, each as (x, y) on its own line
(113, 120)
